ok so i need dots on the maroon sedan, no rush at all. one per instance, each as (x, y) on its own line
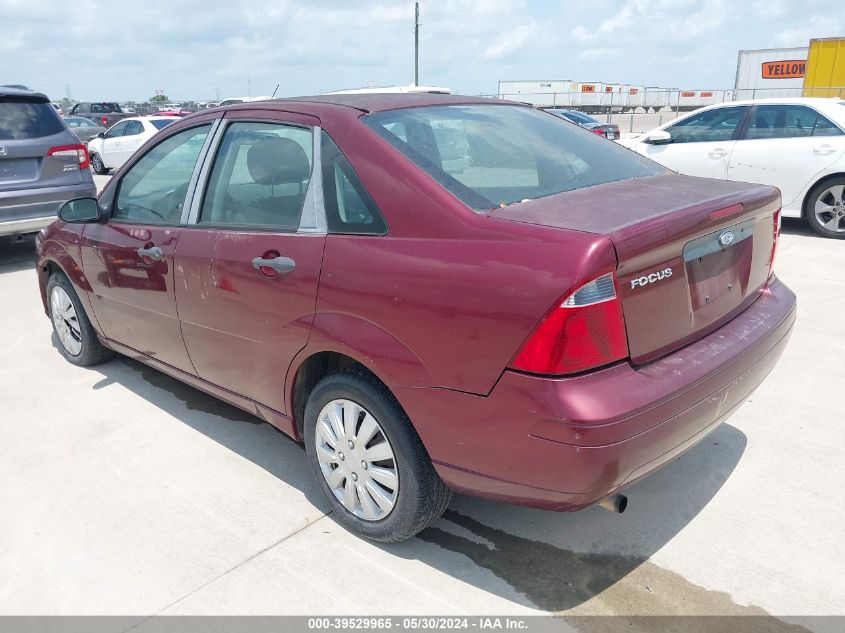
(433, 292)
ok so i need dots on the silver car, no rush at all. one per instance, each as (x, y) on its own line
(42, 163)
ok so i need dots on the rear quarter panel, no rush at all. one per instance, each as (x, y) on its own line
(458, 290)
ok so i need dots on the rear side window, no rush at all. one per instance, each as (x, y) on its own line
(490, 156)
(161, 123)
(789, 121)
(349, 207)
(23, 119)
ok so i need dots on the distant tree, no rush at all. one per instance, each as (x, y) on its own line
(159, 99)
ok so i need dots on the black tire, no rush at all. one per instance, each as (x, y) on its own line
(97, 165)
(92, 352)
(817, 192)
(422, 496)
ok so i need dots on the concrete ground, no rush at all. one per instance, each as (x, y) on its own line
(123, 491)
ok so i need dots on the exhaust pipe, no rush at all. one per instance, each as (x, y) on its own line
(616, 503)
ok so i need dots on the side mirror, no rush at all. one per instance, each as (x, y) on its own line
(658, 137)
(101, 135)
(81, 210)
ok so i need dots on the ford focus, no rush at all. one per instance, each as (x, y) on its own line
(434, 293)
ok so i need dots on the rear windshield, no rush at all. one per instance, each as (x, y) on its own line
(105, 108)
(22, 119)
(490, 156)
(161, 123)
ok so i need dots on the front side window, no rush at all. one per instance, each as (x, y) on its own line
(494, 155)
(118, 130)
(260, 176)
(717, 125)
(133, 128)
(155, 187)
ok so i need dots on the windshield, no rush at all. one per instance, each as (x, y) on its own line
(162, 123)
(22, 119)
(490, 156)
(576, 116)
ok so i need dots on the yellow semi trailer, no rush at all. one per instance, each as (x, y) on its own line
(825, 74)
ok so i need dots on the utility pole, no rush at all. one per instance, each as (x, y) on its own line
(416, 43)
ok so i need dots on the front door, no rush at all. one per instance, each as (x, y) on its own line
(247, 272)
(701, 144)
(113, 144)
(129, 260)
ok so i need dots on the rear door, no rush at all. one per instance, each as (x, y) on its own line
(786, 146)
(247, 270)
(701, 144)
(129, 260)
(31, 137)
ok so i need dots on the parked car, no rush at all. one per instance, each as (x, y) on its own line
(796, 145)
(608, 130)
(106, 113)
(235, 100)
(42, 164)
(112, 148)
(84, 129)
(495, 328)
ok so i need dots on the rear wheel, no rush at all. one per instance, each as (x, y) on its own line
(97, 165)
(825, 210)
(78, 341)
(368, 460)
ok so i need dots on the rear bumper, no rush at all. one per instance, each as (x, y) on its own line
(567, 443)
(30, 210)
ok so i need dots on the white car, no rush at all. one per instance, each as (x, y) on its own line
(797, 145)
(112, 148)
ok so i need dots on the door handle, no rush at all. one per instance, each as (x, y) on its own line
(717, 152)
(154, 252)
(823, 149)
(275, 266)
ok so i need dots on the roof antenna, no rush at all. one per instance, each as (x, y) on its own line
(274, 92)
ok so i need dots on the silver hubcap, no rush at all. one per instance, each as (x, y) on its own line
(356, 460)
(65, 321)
(830, 208)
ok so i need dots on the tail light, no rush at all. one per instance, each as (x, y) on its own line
(79, 150)
(584, 330)
(598, 131)
(775, 236)
(105, 121)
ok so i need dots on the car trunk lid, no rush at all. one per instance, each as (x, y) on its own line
(692, 252)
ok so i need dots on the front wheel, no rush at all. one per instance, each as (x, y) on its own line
(98, 166)
(78, 341)
(825, 210)
(368, 460)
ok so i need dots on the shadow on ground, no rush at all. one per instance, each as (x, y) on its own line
(545, 560)
(17, 253)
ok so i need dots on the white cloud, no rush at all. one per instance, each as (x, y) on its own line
(816, 26)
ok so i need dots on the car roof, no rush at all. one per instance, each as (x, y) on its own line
(377, 102)
(17, 92)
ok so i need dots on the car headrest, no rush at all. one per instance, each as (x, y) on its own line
(274, 161)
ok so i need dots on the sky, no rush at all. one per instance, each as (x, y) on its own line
(205, 49)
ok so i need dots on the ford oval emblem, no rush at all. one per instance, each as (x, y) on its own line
(726, 238)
